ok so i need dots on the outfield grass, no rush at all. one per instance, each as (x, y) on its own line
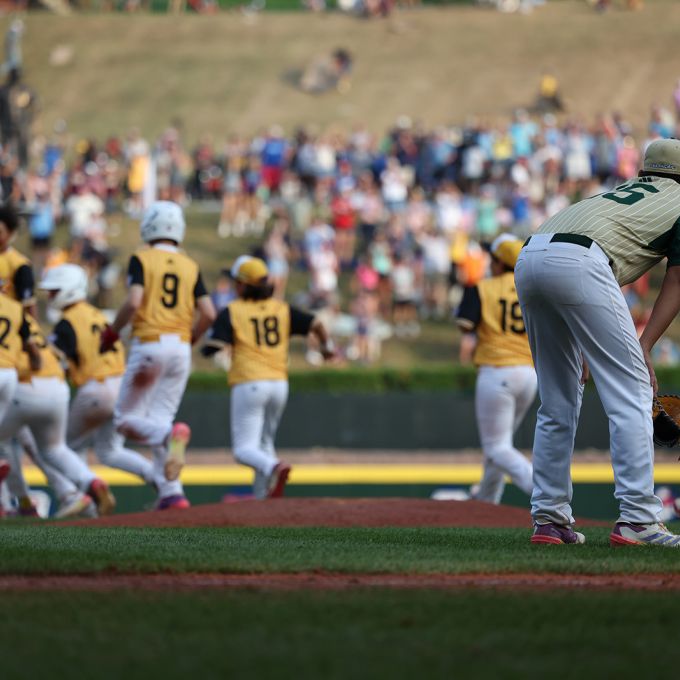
(38, 549)
(324, 636)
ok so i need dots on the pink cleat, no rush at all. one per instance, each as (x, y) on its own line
(278, 479)
(176, 502)
(179, 438)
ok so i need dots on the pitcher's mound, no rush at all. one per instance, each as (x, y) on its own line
(329, 512)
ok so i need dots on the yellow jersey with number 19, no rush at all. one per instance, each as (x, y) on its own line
(501, 335)
(261, 332)
(170, 279)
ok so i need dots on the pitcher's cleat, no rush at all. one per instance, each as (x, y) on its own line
(556, 534)
(76, 505)
(102, 496)
(177, 446)
(643, 534)
(277, 480)
(176, 502)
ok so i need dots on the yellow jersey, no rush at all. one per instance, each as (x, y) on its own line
(77, 337)
(13, 331)
(50, 368)
(259, 332)
(492, 309)
(16, 276)
(172, 283)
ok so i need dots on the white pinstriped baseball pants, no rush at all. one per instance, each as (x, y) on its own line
(572, 305)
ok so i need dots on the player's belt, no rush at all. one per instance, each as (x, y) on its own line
(578, 239)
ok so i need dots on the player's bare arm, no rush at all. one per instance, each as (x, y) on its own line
(326, 345)
(206, 316)
(665, 309)
(127, 310)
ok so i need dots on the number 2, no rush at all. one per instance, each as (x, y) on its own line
(5, 325)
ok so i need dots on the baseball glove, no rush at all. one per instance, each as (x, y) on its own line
(666, 418)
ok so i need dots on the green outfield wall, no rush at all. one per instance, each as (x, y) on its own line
(393, 420)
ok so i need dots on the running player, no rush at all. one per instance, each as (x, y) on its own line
(506, 380)
(568, 278)
(40, 402)
(254, 333)
(96, 376)
(165, 290)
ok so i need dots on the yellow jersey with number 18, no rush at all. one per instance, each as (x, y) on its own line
(501, 335)
(261, 332)
(170, 278)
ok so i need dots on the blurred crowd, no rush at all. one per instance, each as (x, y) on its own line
(386, 230)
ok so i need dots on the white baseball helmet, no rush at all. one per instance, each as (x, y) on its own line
(69, 280)
(663, 155)
(163, 219)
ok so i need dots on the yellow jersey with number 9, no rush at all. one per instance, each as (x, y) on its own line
(261, 333)
(170, 278)
(11, 320)
(501, 335)
(87, 323)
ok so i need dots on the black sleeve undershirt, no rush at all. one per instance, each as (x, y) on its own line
(64, 339)
(300, 322)
(470, 308)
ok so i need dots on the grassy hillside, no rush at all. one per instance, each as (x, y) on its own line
(224, 73)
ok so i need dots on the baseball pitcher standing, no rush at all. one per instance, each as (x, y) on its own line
(568, 279)
(506, 380)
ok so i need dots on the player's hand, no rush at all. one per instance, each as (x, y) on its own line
(328, 350)
(650, 367)
(585, 371)
(108, 339)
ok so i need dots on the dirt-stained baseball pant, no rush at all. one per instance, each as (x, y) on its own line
(90, 422)
(42, 406)
(149, 397)
(502, 398)
(571, 303)
(256, 410)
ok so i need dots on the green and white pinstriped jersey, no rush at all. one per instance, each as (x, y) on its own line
(637, 224)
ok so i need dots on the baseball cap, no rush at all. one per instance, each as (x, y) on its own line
(506, 249)
(663, 155)
(249, 270)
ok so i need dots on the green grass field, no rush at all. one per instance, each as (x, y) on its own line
(361, 634)
(85, 550)
(365, 632)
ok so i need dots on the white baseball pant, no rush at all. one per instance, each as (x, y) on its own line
(149, 397)
(502, 398)
(573, 306)
(256, 410)
(14, 449)
(90, 422)
(42, 406)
